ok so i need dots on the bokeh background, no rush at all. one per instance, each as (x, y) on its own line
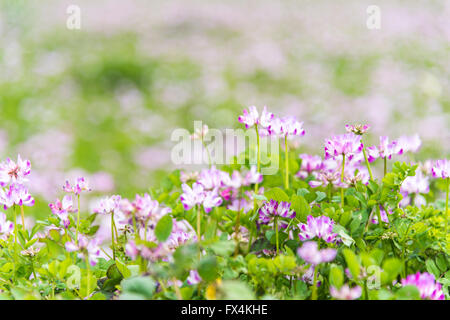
(103, 101)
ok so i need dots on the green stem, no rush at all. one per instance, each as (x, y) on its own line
(380, 222)
(342, 180)
(258, 164)
(207, 152)
(314, 288)
(198, 224)
(446, 205)
(286, 163)
(78, 219)
(88, 280)
(136, 233)
(15, 242)
(367, 162)
(366, 291)
(199, 230)
(112, 236)
(23, 217)
(276, 232)
(177, 289)
(250, 241)
(385, 166)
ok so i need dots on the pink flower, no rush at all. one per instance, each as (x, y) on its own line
(310, 164)
(272, 209)
(12, 172)
(108, 205)
(192, 196)
(287, 126)
(211, 200)
(80, 185)
(62, 209)
(320, 227)
(199, 134)
(310, 253)
(17, 194)
(347, 144)
(251, 117)
(410, 143)
(326, 177)
(181, 234)
(6, 227)
(357, 129)
(416, 184)
(441, 169)
(425, 282)
(345, 292)
(383, 215)
(188, 176)
(241, 204)
(384, 150)
(193, 277)
(91, 248)
(145, 208)
(252, 176)
(213, 178)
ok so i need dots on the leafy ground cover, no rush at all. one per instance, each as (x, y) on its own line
(321, 228)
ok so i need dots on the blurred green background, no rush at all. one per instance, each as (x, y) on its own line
(102, 101)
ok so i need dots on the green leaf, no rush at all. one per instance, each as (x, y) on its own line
(301, 207)
(345, 218)
(237, 290)
(432, 268)
(302, 192)
(164, 228)
(441, 263)
(392, 268)
(276, 194)
(138, 286)
(207, 268)
(320, 196)
(113, 272)
(223, 248)
(408, 293)
(346, 239)
(84, 289)
(126, 273)
(336, 276)
(352, 262)
(187, 292)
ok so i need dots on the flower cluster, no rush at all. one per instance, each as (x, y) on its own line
(213, 187)
(181, 234)
(63, 208)
(15, 174)
(6, 227)
(273, 209)
(413, 187)
(268, 124)
(345, 292)
(358, 129)
(311, 164)
(80, 185)
(320, 227)
(311, 254)
(86, 248)
(427, 285)
(384, 150)
(441, 169)
(347, 144)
